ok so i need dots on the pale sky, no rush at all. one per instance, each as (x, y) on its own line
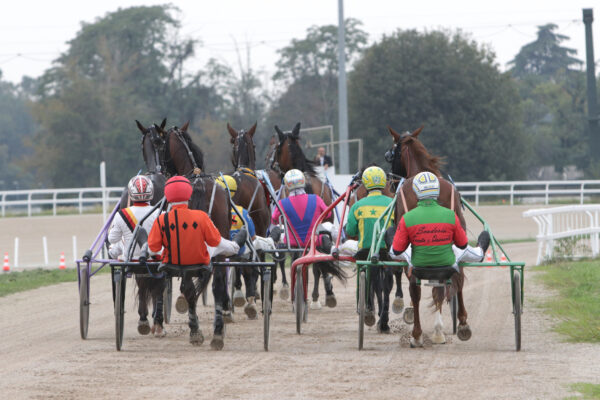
(33, 33)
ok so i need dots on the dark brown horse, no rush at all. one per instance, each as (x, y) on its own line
(289, 155)
(251, 195)
(183, 157)
(409, 157)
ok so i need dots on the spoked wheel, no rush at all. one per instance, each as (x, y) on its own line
(517, 307)
(120, 281)
(168, 300)
(362, 285)
(84, 300)
(299, 300)
(266, 302)
(454, 311)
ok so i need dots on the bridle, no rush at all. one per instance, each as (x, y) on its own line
(399, 152)
(158, 145)
(236, 150)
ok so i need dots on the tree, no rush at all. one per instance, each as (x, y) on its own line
(452, 86)
(545, 56)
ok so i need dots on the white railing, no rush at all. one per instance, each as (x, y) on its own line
(578, 223)
(35, 200)
(535, 190)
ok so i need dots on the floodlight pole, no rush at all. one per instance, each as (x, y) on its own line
(593, 114)
(342, 96)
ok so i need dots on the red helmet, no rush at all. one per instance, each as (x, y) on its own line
(177, 189)
(140, 188)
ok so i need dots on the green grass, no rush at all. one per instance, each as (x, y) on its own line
(586, 390)
(577, 305)
(14, 282)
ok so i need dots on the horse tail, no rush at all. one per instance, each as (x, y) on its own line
(143, 292)
(441, 293)
(328, 267)
(201, 283)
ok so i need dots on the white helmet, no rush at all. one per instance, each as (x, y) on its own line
(426, 185)
(140, 189)
(294, 179)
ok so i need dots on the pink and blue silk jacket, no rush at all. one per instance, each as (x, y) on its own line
(301, 212)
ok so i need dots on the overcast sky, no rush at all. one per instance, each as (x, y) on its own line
(33, 33)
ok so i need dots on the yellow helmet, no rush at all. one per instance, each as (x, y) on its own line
(231, 183)
(373, 178)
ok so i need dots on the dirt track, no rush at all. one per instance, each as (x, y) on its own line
(43, 356)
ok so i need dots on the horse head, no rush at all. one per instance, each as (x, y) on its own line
(185, 157)
(244, 154)
(153, 146)
(408, 156)
(288, 153)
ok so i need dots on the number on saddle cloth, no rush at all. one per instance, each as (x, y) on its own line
(300, 225)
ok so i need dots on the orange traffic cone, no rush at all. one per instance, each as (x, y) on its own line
(488, 256)
(503, 258)
(6, 267)
(62, 261)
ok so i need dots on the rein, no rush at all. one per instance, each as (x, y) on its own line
(196, 170)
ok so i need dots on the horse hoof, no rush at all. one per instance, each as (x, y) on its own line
(284, 293)
(159, 331)
(438, 337)
(409, 315)
(464, 332)
(383, 328)
(181, 304)
(369, 318)
(217, 342)
(143, 327)
(398, 305)
(330, 301)
(315, 305)
(257, 296)
(416, 343)
(196, 337)
(228, 317)
(238, 298)
(250, 310)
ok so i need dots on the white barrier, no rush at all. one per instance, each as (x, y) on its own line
(579, 222)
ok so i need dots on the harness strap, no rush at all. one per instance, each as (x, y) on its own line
(196, 170)
(253, 196)
(247, 171)
(403, 200)
(212, 198)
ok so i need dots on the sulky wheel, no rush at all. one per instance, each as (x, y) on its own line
(168, 300)
(266, 303)
(517, 307)
(120, 282)
(84, 300)
(453, 312)
(299, 300)
(362, 295)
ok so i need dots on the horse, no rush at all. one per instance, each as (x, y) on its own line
(251, 195)
(409, 157)
(183, 157)
(289, 155)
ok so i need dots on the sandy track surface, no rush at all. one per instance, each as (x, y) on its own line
(43, 356)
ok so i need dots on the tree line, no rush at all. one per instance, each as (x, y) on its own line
(134, 64)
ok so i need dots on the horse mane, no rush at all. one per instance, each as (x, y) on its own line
(299, 160)
(427, 161)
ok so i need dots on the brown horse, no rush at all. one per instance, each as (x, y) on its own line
(183, 157)
(409, 157)
(289, 155)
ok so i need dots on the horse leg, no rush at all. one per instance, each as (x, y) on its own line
(284, 293)
(219, 287)
(415, 296)
(158, 287)
(316, 304)
(249, 280)
(463, 331)
(238, 297)
(438, 328)
(398, 303)
(143, 324)
(181, 304)
(387, 283)
(189, 291)
(330, 300)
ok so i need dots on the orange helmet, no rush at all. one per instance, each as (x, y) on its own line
(177, 189)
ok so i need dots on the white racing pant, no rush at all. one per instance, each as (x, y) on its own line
(468, 254)
(225, 247)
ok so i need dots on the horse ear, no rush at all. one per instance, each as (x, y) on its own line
(231, 131)
(185, 126)
(163, 124)
(140, 127)
(296, 131)
(252, 130)
(417, 131)
(395, 134)
(280, 134)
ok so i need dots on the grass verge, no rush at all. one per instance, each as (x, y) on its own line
(14, 282)
(586, 390)
(577, 305)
